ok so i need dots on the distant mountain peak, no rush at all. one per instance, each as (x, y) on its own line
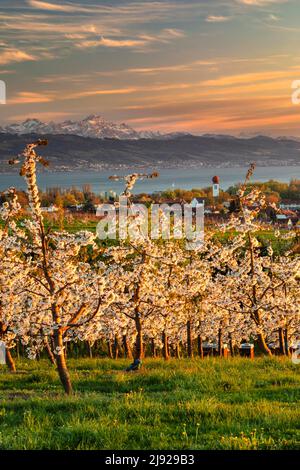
(93, 126)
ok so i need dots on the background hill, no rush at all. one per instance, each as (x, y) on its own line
(71, 152)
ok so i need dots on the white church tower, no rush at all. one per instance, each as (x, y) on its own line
(216, 186)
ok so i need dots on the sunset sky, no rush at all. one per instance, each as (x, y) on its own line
(201, 66)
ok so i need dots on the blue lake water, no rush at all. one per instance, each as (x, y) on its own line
(169, 178)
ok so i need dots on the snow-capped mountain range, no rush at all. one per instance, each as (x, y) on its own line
(92, 126)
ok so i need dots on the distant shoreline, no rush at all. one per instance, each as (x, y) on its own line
(175, 178)
(151, 167)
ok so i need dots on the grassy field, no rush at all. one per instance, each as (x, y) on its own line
(186, 404)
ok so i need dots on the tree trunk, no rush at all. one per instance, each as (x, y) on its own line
(231, 346)
(61, 363)
(49, 352)
(189, 339)
(281, 341)
(200, 346)
(286, 341)
(177, 351)
(116, 348)
(89, 349)
(52, 344)
(139, 348)
(153, 349)
(165, 351)
(257, 317)
(127, 348)
(109, 349)
(263, 345)
(10, 361)
(220, 342)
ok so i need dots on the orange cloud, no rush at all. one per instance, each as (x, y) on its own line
(247, 78)
(55, 7)
(106, 42)
(24, 97)
(14, 55)
(112, 91)
(260, 3)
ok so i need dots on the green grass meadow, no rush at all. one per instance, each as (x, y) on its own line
(180, 404)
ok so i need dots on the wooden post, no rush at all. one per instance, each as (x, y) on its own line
(225, 351)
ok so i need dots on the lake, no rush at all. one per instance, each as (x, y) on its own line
(169, 178)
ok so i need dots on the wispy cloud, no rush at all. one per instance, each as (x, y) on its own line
(99, 25)
(129, 11)
(260, 3)
(171, 32)
(45, 116)
(217, 19)
(7, 72)
(172, 68)
(109, 42)
(108, 91)
(9, 56)
(272, 17)
(68, 8)
(140, 41)
(25, 97)
(126, 90)
(188, 79)
(219, 115)
(209, 63)
(247, 78)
